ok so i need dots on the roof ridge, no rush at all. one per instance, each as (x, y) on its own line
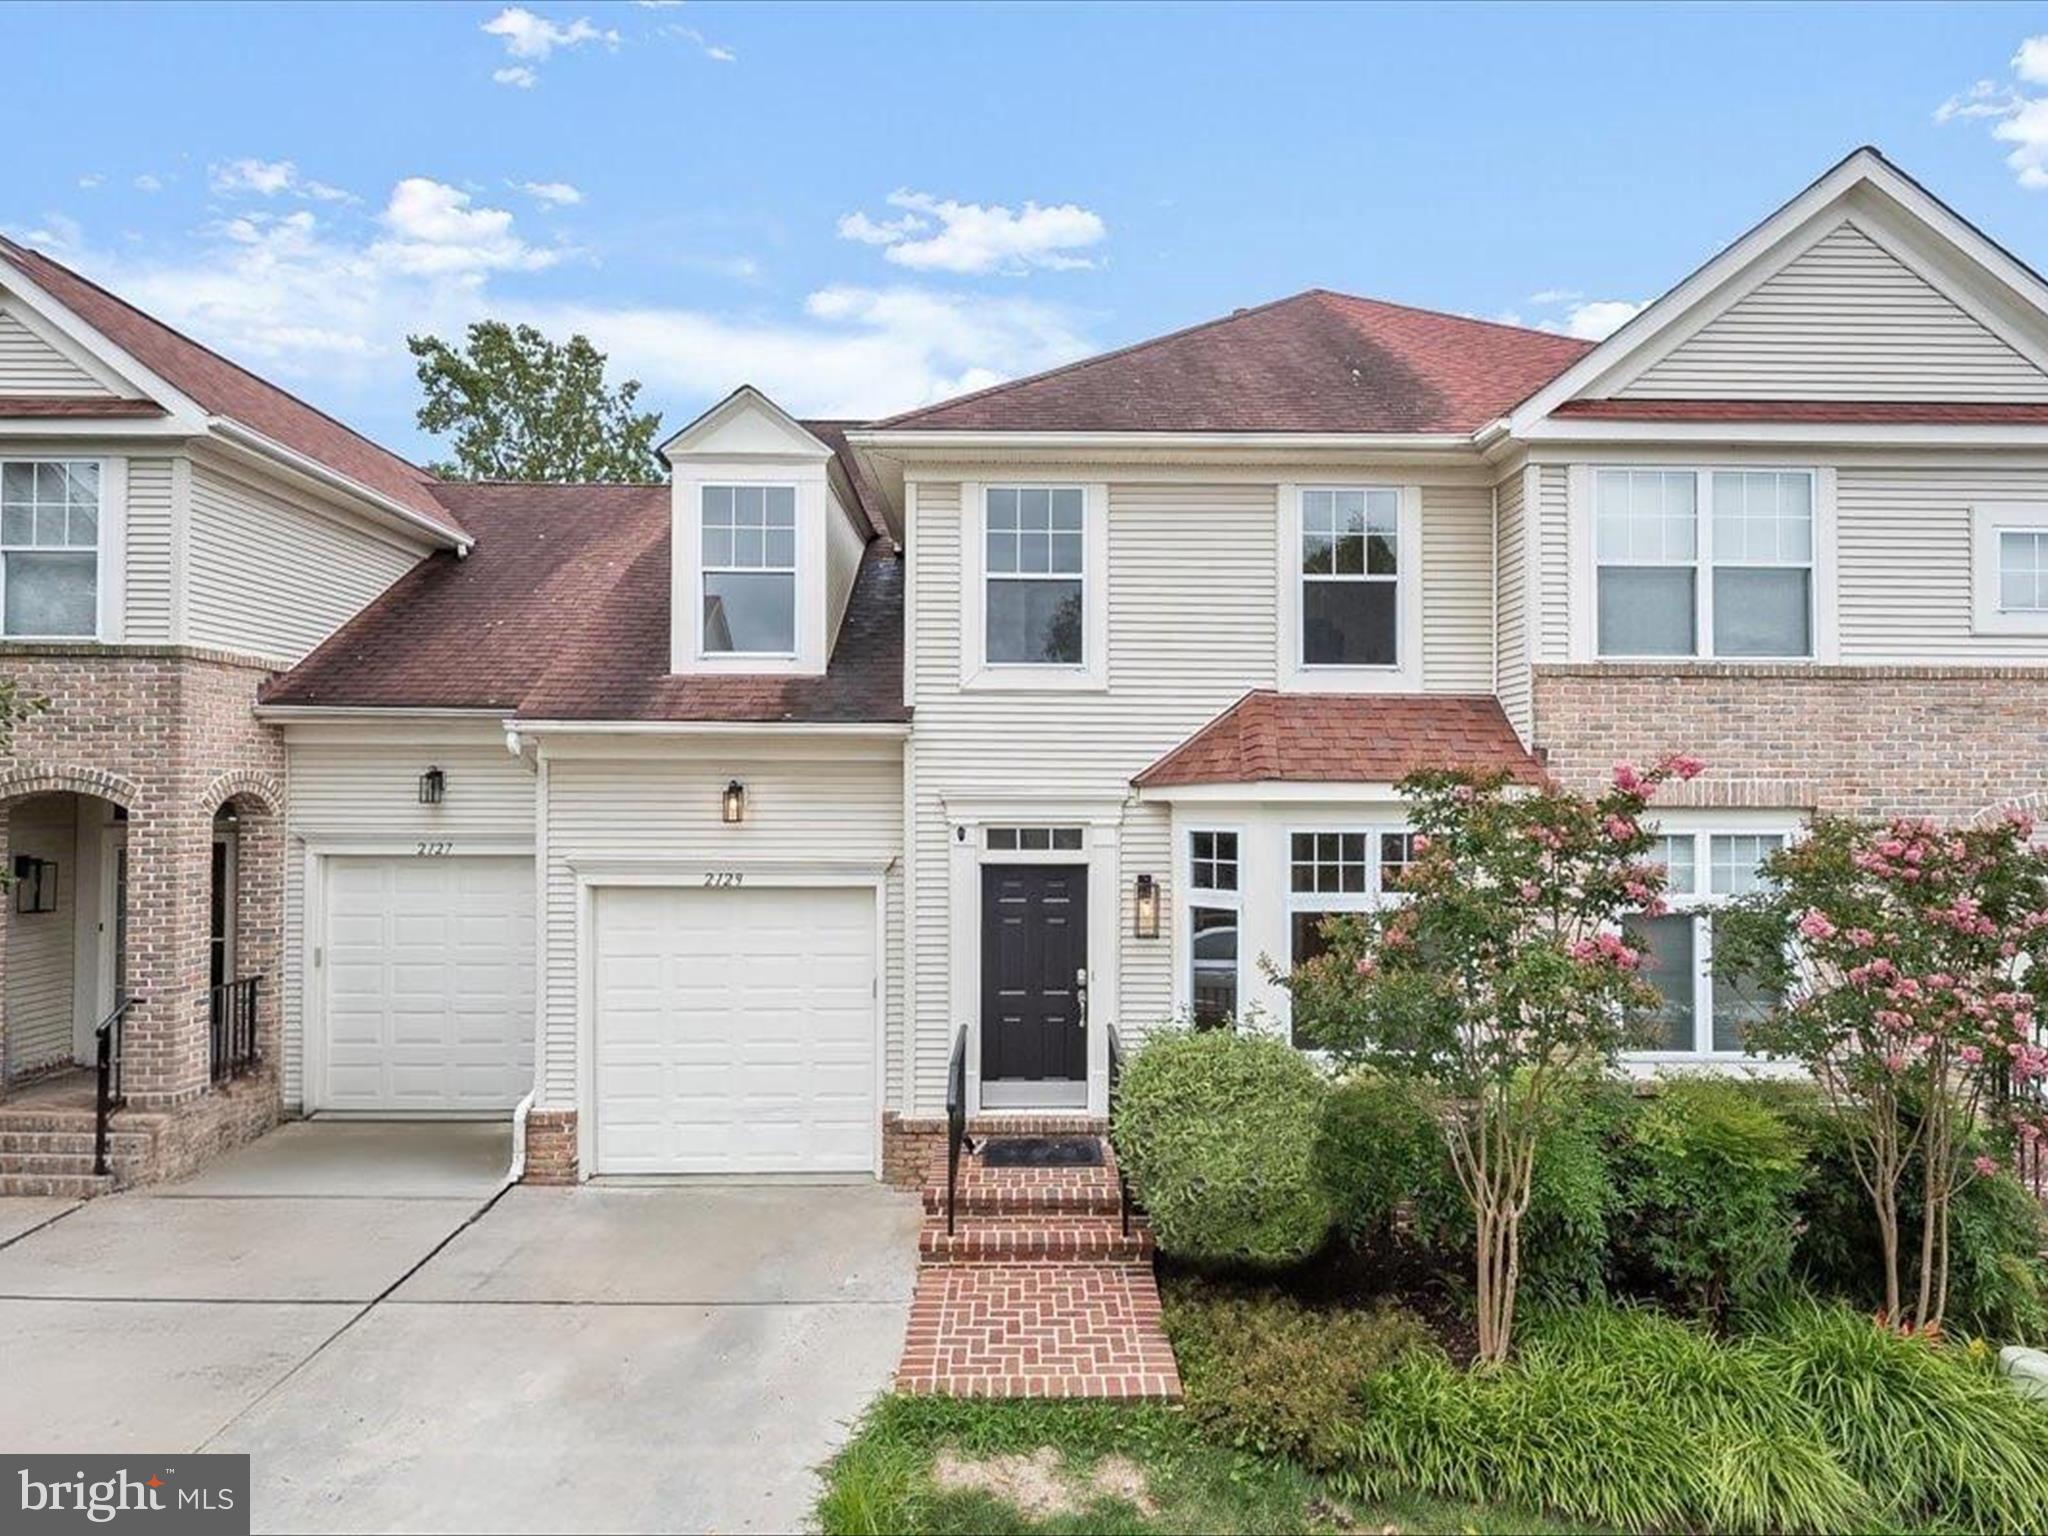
(1093, 358)
(23, 256)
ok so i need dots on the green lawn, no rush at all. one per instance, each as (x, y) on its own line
(919, 1465)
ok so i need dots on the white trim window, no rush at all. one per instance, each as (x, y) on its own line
(1703, 1014)
(1350, 572)
(1215, 927)
(1335, 870)
(50, 520)
(1705, 563)
(1035, 566)
(748, 581)
(2009, 569)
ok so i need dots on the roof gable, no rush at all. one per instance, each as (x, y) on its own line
(746, 424)
(33, 362)
(1863, 287)
(1318, 362)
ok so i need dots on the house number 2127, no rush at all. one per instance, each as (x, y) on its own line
(432, 850)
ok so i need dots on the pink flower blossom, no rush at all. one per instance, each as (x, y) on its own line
(1527, 890)
(1985, 1166)
(1683, 765)
(1626, 779)
(1419, 843)
(1364, 966)
(1815, 925)
(1859, 938)
(1620, 828)
(1971, 1054)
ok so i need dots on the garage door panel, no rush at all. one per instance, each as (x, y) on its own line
(735, 1030)
(429, 983)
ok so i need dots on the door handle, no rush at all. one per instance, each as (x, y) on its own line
(1081, 997)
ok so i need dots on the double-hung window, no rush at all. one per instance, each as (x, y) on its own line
(1035, 567)
(1705, 563)
(49, 548)
(1213, 927)
(1331, 872)
(2009, 568)
(749, 565)
(1350, 561)
(1702, 1013)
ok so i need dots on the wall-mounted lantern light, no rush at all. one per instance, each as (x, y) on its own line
(433, 785)
(1145, 908)
(733, 804)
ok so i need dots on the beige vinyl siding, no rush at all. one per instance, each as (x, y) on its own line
(29, 365)
(1553, 563)
(1903, 561)
(365, 791)
(802, 807)
(1511, 615)
(148, 597)
(1146, 978)
(1457, 589)
(40, 945)
(273, 578)
(1845, 320)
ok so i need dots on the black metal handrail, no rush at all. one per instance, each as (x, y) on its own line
(110, 1093)
(956, 1121)
(1116, 1077)
(232, 1019)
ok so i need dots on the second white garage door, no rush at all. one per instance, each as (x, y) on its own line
(735, 1030)
(429, 984)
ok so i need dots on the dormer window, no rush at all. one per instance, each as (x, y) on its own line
(749, 570)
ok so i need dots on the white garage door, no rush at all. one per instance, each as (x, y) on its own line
(429, 984)
(735, 1030)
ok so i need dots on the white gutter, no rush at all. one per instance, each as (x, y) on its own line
(1353, 442)
(369, 712)
(882, 730)
(314, 470)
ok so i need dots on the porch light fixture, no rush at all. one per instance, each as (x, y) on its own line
(433, 784)
(733, 804)
(1145, 908)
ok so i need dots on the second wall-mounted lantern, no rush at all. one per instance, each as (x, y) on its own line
(433, 785)
(732, 806)
(1145, 908)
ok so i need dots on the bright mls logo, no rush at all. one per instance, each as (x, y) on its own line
(171, 1496)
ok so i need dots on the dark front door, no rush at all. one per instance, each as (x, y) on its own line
(1034, 958)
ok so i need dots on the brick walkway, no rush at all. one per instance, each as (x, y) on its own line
(1038, 1292)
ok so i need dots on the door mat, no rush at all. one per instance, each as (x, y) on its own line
(1043, 1152)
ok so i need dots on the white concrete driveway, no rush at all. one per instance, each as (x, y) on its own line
(399, 1344)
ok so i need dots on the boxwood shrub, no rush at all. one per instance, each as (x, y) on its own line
(1216, 1130)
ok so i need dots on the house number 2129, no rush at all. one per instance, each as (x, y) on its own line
(722, 878)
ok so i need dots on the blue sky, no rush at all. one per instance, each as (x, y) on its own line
(862, 207)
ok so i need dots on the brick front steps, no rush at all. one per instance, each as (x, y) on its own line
(1037, 1292)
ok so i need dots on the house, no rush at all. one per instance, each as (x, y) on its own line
(702, 823)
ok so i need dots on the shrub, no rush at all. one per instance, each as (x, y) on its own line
(1380, 1153)
(1616, 1416)
(1710, 1176)
(1263, 1373)
(1217, 1132)
(1927, 1427)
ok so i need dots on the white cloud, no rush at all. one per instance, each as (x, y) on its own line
(148, 183)
(90, 180)
(268, 178)
(528, 36)
(2017, 118)
(941, 235)
(516, 75)
(1597, 319)
(550, 194)
(701, 43)
(434, 230)
(1555, 296)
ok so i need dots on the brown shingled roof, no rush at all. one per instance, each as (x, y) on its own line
(561, 611)
(89, 407)
(1371, 738)
(227, 389)
(1317, 362)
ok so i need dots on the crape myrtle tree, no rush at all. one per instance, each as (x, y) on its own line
(1902, 957)
(1498, 980)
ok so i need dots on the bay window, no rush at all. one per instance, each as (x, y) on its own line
(1332, 872)
(1213, 927)
(1703, 1014)
(749, 570)
(49, 548)
(1704, 563)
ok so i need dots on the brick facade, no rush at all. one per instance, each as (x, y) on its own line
(1952, 743)
(551, 1146)
(168, 734)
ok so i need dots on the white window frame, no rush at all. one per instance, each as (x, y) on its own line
(1374, 897)
(1210, 898)
(1699, 906)
(1405, 675)
(705, 570)
(109, 539)
(1988, 521)
(1583, 498)
(976, 670)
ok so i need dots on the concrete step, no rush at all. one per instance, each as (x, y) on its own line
(1036, 1238)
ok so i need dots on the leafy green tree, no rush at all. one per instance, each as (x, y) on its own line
(1498, 983)
(523, 407)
